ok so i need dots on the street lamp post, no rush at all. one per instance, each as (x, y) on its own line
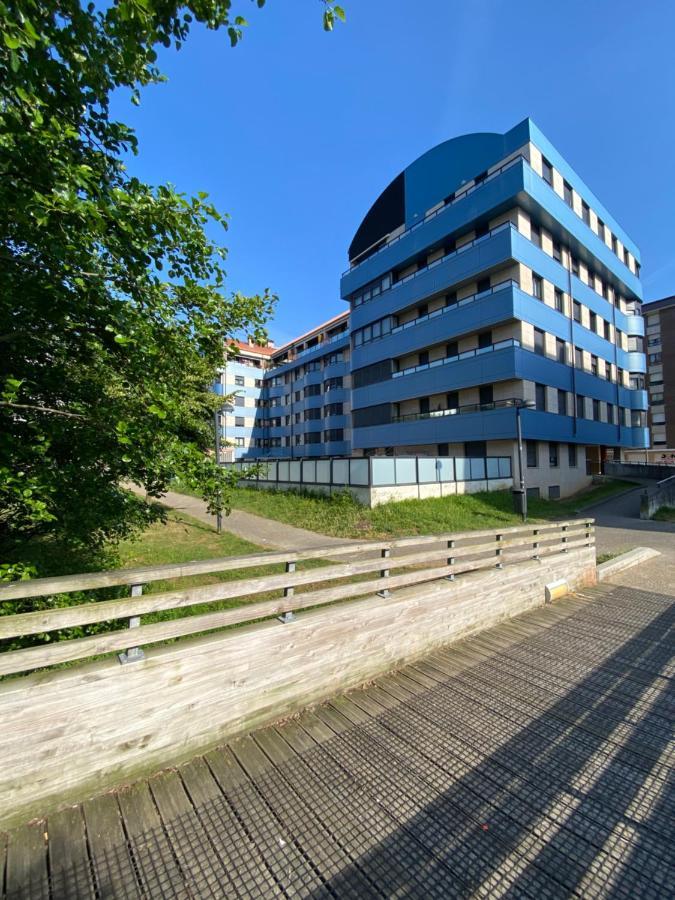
(522, 404)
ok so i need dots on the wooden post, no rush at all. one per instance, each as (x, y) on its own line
(384, 573)
(133, 654)
(588, 534)
(535, 544)
(564, 539)
(288, 592)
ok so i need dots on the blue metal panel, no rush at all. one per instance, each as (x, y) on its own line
(494, 251)
(488, 201)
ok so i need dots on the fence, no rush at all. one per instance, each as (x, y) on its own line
(617, 469)
(370, 607)
(663, 495)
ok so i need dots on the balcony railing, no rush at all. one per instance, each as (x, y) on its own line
(319, 346)
(432, 215)
(510, 403)
(466, 354)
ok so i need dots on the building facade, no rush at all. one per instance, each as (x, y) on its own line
(660, 350)
(487, 276)
(486, 283)
(241, 382)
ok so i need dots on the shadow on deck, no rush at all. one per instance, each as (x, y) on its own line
(530, 761)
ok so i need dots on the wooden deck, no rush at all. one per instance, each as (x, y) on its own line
(530, 761)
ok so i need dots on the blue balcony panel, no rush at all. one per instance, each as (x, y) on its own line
(335, 370)
(494, 197)
(490, 253)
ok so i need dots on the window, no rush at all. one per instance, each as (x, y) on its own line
(451, 299)
(334, 434)
(654, 358)
(239, 442)
(313, 437)
(559, 301)
(540, 397)
(567, 193)
(239, 380)
(560, 350)
(594, 322)
(312, 414)
(576, 306)
(298, 396)
(533, 492)
(554, 492)
(572, 456)
(239, 400)
(614, 244)
(601, 229)
(547, 171)
(423, 358)
(596, 410)
(482, 285)
(332, 384)
(535, 235)
(333, 409)
(298, 417)
(608, 371)
(539, 342)
(239, 421)
(590, 278)
(581, 406)
(258, 382)
(422, 310)
(312, 390)
(578, 358)
(452, 349)
(607, 330)
(484, 339)
(531, 450)
(452, 399)
(486, 395)
(575, 266)
(562, 402)
(557, 251)
(594, 364)
(626, 256)
(610, 413)
(553, 456)
(472, 449)
(423, 405)
(585, 212)
(537, 287)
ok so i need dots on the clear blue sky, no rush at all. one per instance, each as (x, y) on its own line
(295, 132)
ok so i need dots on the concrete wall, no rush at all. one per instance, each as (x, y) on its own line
(636, 470)
(663, 496)
(72, 732)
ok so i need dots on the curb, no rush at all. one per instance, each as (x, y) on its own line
(625, 561)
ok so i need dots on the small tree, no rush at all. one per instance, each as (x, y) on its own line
(113, 315)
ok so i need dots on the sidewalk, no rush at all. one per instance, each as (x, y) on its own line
(267, 533)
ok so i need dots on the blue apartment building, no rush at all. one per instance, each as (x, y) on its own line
(486, 281)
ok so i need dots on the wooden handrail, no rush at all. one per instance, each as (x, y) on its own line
(461, 553)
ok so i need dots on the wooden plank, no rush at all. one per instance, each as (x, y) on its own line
(202, 868)
(113, 864)
(302, 734)
(250, 757)
(156, 863)
(37, 587)
(80, 648)
(26, 872)
(245, 866)
(69, 864)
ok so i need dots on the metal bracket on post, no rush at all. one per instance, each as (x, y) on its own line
(498, 552)
(535, 544)
(133, 654)
(451, 561)
(384, 573)
(289, 616)
(588, 534)
(565, 548)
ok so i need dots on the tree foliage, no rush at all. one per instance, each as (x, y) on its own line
(113, 311)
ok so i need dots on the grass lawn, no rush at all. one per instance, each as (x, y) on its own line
(664, 514)
(341, 516)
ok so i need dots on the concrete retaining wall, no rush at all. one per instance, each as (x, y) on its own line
(69, 733)
(664, 495)
(637, 470)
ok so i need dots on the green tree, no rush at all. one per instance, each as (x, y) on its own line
(113, 311)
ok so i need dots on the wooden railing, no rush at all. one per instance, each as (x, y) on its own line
(395, 564)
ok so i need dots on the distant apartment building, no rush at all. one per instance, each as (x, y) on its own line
(240, 381)
(487, 276)
(660, 350)
(486, 282)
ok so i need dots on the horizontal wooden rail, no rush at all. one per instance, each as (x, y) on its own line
(460, 553)
(61, 584)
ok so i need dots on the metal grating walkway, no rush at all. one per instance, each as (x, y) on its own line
(530, 761)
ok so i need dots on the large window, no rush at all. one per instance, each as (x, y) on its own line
(576, 306)
(531, 449)
(572, 456)
(539, 348)
(332, 384)
(540, 397)
(484, 339)
(553, 460)
(560, 350)
(547, 171)
(333, 409)
(562, 402)
(312, 390)
(585, 212)
(581, 406)
(334, 434)
(559, 302)
(567, 193)
(538, 287)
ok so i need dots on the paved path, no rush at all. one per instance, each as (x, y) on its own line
(266, 533)
(531, 761)
(619, 526)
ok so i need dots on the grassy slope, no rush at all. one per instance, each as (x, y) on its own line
(342, 517)
(665, 514)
